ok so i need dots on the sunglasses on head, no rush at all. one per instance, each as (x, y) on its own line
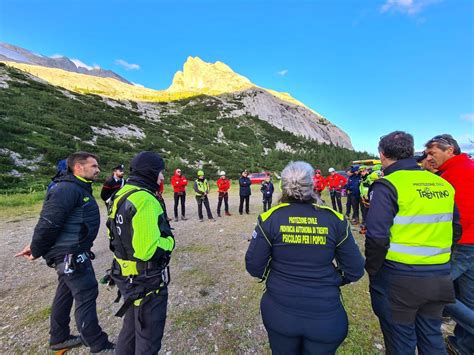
(439, 139)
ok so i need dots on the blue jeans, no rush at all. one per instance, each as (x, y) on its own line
(462, 311)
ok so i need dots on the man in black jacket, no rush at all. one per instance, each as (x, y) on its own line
(64, 235)
(112, 184)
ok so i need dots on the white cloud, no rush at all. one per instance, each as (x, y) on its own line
(81, 64)
(466, 143)
(409, 7)
(126, 65)
(468, 117)
(139, 85)
(283, 72)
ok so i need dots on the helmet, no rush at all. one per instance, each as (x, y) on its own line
(222, 173)
(331, 170)
(200, 173)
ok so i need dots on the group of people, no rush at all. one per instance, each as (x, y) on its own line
(419, 251)
(202, 189)
(355, 187)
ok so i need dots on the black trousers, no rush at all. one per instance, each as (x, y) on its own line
(409, 309)
(355, 201)
(336, 197)
(143, 326)
(289, 333)
(223, 196)
(267, 203)
(243, 199)
(203, 200)
(177, 197)
(348, 205)
(364, 210)
(80, 287)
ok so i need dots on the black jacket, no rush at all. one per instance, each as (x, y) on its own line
(110, 186)
(267, 189)
(382, 210)
(295, 245)
(244, 183)
(69, 221)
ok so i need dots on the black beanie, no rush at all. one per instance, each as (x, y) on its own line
(145, 168)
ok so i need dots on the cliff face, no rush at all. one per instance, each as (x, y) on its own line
(206, 78)
(286, 116)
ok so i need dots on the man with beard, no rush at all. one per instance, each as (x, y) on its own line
(64, 235)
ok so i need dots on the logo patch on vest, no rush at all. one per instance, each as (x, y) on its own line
(429, 194)
(85, 199)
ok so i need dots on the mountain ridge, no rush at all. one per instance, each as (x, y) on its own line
(41, 123)
(10, 52)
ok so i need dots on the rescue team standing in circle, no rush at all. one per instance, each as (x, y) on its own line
(418, 226)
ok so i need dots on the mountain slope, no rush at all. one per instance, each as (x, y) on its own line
(198, 78)
(40, 124)
(9, 52)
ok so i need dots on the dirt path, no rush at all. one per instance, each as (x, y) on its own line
(213, 303)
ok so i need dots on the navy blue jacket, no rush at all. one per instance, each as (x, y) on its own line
(382, 210)
(267, 189)
(353, 184)
(293, 248)
(245, 183)
(69, 221)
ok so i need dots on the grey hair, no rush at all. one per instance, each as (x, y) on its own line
(297, 182)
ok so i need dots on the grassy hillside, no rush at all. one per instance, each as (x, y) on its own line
(41, 124)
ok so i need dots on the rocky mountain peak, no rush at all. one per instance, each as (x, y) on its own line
(200, 76)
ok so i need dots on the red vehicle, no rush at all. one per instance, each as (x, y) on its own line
(258, 178)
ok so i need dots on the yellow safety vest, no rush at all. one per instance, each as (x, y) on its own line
(202, 185)
(422, 231)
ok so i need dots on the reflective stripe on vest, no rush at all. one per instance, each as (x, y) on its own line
(422, 219)
(422, 232)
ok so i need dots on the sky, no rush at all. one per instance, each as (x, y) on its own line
(369, 66)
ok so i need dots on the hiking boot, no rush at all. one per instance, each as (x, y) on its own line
(201, 220)
(176, 219)
(228, 214)
(109, 348)
(212, 220)
(218, 215)
(71, 342)
(183, 218)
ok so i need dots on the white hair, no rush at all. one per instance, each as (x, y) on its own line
(297, 182)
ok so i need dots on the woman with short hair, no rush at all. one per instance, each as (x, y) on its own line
(304, 252)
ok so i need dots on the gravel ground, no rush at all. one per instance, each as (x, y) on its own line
(213, 303)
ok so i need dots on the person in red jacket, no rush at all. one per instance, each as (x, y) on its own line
(319, 183)
(179, 182)
(223, 185)
(444, 154)
(335, 182)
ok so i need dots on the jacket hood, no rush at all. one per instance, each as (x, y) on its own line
(144, 170)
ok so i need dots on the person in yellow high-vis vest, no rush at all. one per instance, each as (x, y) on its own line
(201, 188)
(411, 224)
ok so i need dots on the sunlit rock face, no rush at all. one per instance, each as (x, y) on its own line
(208, 78)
